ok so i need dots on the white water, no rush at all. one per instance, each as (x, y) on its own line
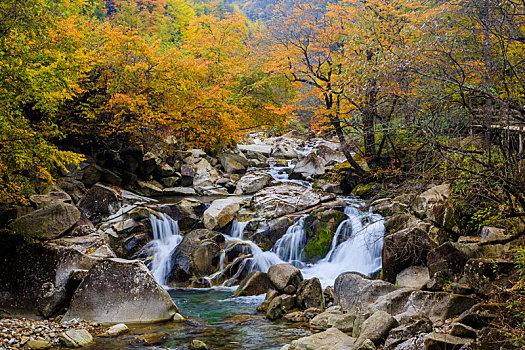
(238, 228)
(290, 247)
(167, 237)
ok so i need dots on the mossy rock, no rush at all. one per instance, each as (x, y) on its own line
(364, 190)
(321, 226)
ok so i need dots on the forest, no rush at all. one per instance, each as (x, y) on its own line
(414, 91)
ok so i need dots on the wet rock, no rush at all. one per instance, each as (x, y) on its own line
(100, 202)
(234, 163)
(413, 277)
(310, 294)
(37, 344)
(333, 317)
(330, 339)
(297, 316)
(376, 328)
(198, 345)
(404, 249)
(179, 191)
(150, 339)
(187, 212)
(283, 275)
(117, 290)
(221, 212)
(150, 188)
(320, 226)
(439, 341)
(49, 222)
(116, 330)
(276, 308)
(75, 338)
(329, 155)
(309, 167)
(253, 182)
(285, 151)
(255, 283)
(266, 234)
(286, 198)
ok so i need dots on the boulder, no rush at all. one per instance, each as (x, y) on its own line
(283, 275)
(427, 199)
(266, 233)
(74, 188)
(309, 167)
(90, 174)
(279, 306)
(116, 330)
(75, 338)
(329, 155)
(285, 151)
(333, 317)
(36, 344)
(265, 150)
(446, 260)
(320, 226)
(150, 188)
(179, 191)
(486, 275)
(49, 222)
(413, 277)
(234, 163)
(461, 330)
(287, 198)
(187, 212)
(376, 328)
(404, 249)
(187, 174)
(205, 174)
(221, 212)
(253, 182)
(36, 278)
(331, 339)
(150, 339)
(439, 341)
(310, 294)
(43, 200)
(197, 255)
(492, 233)
(117, 290)
(387, 207)
(255, 283)
(480, 315)
(412, 327)
(100, 202)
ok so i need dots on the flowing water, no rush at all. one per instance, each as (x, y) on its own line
(166, 237)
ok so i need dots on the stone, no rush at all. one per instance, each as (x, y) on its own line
(179, 191)
(411, 327)
(480, 315)
(74, 188)
(234, 163)
(331, 339)
(43, 200)
(413, 277)
(329, 155)
(37, 344)
(283, 275)
(486, 275)
(75, 338)
(461, 330)
(221, 212)
(100, 202)
(414, 343)
(187, 212)
(172, 181)
(333, 318)
(265, 150)
(116, 330)
(150, 188)
(297, 316)
(287, 198)
(187, 174)
(252, 182)
(309, 167)
(276, 308)
(387, 207)
(320, 226)
(492, 233)
(430, 197)
(117, 290)
(404, 249)
(150, 339)
(110, 178)
(196, 256)
(285, 151)
(310, 294)
(91, 174)
(198, 345)
(255, 283)
(376, 328)
(49, 222)
(447, 260)
(205, 174)
(439, 341)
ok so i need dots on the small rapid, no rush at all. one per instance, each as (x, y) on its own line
(166, 238)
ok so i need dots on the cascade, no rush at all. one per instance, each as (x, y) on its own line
(290, 246)
(238, 228)
(166, 237)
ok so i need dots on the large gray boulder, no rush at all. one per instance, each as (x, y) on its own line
(265, 150)
(49, 222)
(376, 328)
(117, 290)
(75, 338)
(284, 275)
(333, 317)
(234, 163)
(328, 155)
(310, 294)
(255, 283)
(205, 174)
(331, 339)
(429, 198)
(188, 212)
(439, 341)
(221, 212)
(100, 202)
(309, 167)
(283, 150)
(36, 278)
(253, 182)
(287, 198)
(413, 277)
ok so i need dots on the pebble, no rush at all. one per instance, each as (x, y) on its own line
(15, 332)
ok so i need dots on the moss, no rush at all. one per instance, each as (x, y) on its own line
(319, 245)
(363, 190)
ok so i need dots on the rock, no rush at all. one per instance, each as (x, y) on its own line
(412, 327)
(376, 328)
(276, 308)
(387, 207)
(41, 201)
(179, 191)
(197, 255)
(91, 174)
(150, 188)
(333, 318)
(187, 212)
(266, 233)
(309, 167)
(75, 338)
(492, 233)
(37, 344)
(486, 275)
(234, 163)
(265, 150)
(329, 155)
(283, 275)
(439, 341)
(310, 294)
(187, 174)
(366, 345)
(116, 330)
(117, 290)
(447, 260)
(221, 212)
(255, 283)
(404, 249)
(74, 188)
(480, 315)
(172, 181)
(100, 202)
(413, 277)
(205, 174)
(49, 222)
(320, 226)
(285, 151)
(198, 345)
(286, 198)
(297, 316)
(177, 318)
(430, 197)
(150, 339)
(414, 343)
(35, 277)
(331, 339)
(253, 182)
(461, 330)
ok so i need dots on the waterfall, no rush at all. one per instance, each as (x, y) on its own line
(290, 246)
(238, 228)
(167, 237)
